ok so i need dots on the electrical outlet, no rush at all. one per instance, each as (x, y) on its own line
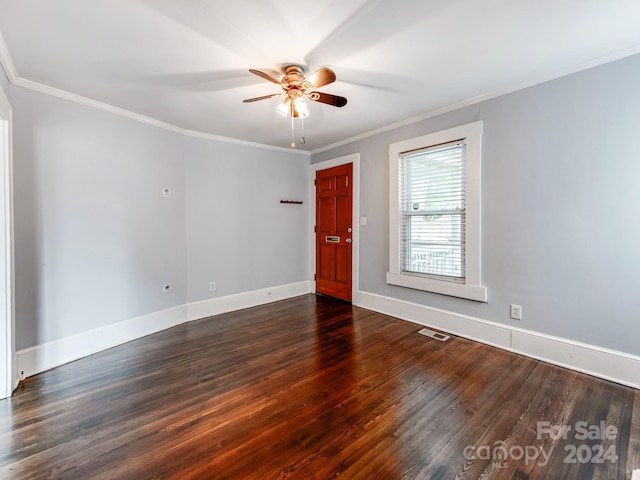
(212, 287)
(516, 312)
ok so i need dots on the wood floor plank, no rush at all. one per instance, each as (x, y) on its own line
(310, 388)
(633, 451)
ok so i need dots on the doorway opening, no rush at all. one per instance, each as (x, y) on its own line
(335, 227)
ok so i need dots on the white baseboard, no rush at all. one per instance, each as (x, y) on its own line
(619, 367)
(230, 303)
(39, 358)
(611, 365)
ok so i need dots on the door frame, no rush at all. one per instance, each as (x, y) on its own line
(354, 159)
(8, 369)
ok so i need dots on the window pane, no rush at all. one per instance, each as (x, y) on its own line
(433, 244)
(433, 204)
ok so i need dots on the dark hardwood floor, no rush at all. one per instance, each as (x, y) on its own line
(312, 388)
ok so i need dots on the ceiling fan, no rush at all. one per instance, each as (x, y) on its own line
(296, 87)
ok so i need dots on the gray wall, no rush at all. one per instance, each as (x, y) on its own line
(96, 239)
(560, 214)
(238, 233)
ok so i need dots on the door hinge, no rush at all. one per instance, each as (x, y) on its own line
(314, 183)
(315, 229)
(314, 277)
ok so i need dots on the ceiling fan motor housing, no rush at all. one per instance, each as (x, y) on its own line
(294, 78)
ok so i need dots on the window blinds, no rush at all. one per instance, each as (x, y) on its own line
(432, 204)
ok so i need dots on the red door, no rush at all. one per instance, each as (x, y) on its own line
(334, 196)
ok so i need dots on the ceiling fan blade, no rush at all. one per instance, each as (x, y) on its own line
(328, 98)
(266, 76)
(322, 77)
(264, 97)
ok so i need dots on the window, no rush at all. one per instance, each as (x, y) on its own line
(435, 213)
(432, 211)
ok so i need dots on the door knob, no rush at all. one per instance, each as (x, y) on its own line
(348, 240)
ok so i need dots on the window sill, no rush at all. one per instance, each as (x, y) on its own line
(460, 290)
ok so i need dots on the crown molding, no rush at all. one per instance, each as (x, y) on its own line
(63, 94)
(6, 62)
(555, 74)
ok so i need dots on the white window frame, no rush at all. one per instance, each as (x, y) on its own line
(472, 288)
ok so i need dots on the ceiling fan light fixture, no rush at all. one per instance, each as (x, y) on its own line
(300, 107)
(284, 108)
(295, 87)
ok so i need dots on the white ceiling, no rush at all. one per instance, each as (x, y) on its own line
(185, 62)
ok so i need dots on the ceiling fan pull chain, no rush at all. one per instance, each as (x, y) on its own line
(302, 131)
(293, 138)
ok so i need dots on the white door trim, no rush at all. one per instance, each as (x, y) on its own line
(354, 159)
(8, 372)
